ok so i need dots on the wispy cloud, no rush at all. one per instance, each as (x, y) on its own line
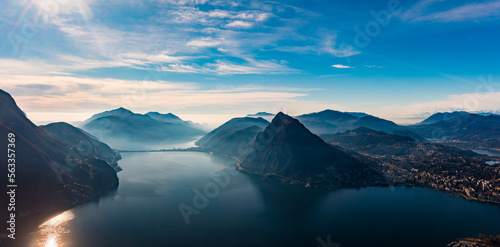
(228, 68)
(52, 92)
(469, 12)
(330, 46)
(158, 45)
(418, 9)
(325, 44)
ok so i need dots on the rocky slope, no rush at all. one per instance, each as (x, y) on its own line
(48, 176)
(287, 149)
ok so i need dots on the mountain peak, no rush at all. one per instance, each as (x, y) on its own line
(5, 96)
(282, 119)
(288, 149)
(443, 116)
(121, 109)
(10, 114)
(281, 114)
(260, 114)
(169, 117)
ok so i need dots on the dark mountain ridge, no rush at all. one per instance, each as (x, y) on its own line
(49, 178)
(287, 149)
(82, 143)
(464, 130)
(442, 116)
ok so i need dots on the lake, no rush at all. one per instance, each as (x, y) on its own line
(235, 209)
(487, 152)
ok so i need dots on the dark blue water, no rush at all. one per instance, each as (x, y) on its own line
(248, 211)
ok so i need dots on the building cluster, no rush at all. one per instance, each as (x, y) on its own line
(466, 182)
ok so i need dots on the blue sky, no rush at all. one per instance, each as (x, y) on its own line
(401, 60)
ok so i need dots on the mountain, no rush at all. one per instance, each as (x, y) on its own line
(81, 142)
(330, 121)
(232, 137)
(443, 116)
(171, 118)
(376, 124)
(326, 121)
(464, 130)
(358, 114)
(287, 149)
(404, 161)
(409, 133)
(394, 148)
(260, 114)
(265, 115)
(167, 118)
(119, 112)
(121, 125)
(49, 177)
(371, 142)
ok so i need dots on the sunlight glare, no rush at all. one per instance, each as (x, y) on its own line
(51, 231)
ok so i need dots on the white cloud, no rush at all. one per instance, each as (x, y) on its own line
(183, 2)
(184, 68)
(240, 24)
(248, 15)
(340, 66)
(204, 42)
(220, 14)
(145, 58)
(263, 17)
(254, 67)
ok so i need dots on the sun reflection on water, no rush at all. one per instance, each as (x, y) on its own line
(52, 231)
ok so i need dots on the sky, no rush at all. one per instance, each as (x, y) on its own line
(207, 61)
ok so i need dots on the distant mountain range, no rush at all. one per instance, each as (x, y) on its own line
(120, 125)
(330, 122)
(462, 129)
(442, 116)
(378, 143)
(51, 173)
(287, 149)
(265, 115)
(260, 114)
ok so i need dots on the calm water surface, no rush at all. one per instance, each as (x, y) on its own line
(487, 152)
(144, 211)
